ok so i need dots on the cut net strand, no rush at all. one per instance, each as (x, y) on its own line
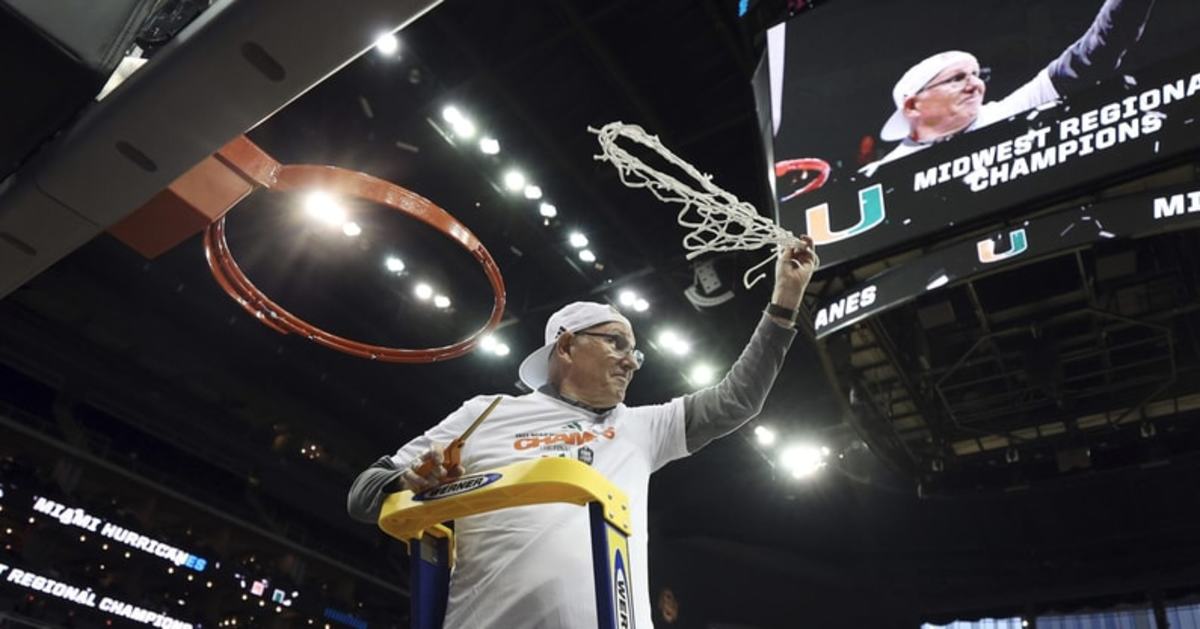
(718, 220)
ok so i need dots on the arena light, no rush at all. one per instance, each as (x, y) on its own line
(387, 44)
(641, 305)
(351, 229)
(803, 460)
(451, 114)
(493, 345)
(423, 291)
(533, 192)
(489, 146)
(702, 374)
(627, 298)
(671, 341)
(764, 435)
(464, 128)
(547, 210)
(587, 256)
(441, 301)
(514, 180)
(394, 264)
(577, 240)
(323, 207)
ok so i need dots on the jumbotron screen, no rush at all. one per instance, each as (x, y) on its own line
(937, 114)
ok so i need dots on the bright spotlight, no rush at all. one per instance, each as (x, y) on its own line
(394, 264)
(577, 240)
(351, 229)
(548, 210)
(587, 256)
(702, 374)
(670, 341)
(641, 305)
(533, 192)
(489, 146)
(488, 342)
(441, 301)
(765, 435)
(502, 350)
(514, 180)
(627, 297)
(424, 291)
(387, 44)
(802, 460)
(451, 114)
(324, 208)
(464, 128)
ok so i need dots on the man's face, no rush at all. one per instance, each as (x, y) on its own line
(600, 371)
(948, 103)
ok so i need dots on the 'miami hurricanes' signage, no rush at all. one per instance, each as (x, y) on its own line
(72, 516)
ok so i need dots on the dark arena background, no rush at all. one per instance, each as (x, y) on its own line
(989, 418)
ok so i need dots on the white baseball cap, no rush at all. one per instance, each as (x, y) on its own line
(917, 77)
(574, 317)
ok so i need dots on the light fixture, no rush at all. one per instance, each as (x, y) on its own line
(451, 114)
(547, 210)
(488, 342)
(387, 44)
(802, 460)
(670, 341)
(577, 240)
(533, 192)
(351, 229)
(441, 301)
(514, 180)
(702, 374)
(587, 256)
(641, 305)
(489, 146)
(464, 128)
(394, 264)
(423, 291)
(324, 208)
(627, 298)
(765, 435)
(502, 349)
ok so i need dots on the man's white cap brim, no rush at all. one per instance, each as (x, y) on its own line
(896, 128)
(580, 315)
(917, 77)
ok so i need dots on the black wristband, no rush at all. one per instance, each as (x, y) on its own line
(776, 310)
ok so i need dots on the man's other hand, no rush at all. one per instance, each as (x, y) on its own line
(434, 462)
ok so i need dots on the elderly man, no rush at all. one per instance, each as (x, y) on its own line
(943, 95)
(531, 566)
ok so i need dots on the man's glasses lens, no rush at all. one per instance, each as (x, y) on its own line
(620, 344)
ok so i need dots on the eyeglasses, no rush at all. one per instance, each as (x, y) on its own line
(620, 345)
(960, 78)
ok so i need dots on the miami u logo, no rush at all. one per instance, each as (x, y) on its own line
(870, 214)
(1017, 246)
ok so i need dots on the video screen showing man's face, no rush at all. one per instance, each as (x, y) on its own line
(863, 84)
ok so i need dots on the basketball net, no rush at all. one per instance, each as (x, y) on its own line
(718, 220)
